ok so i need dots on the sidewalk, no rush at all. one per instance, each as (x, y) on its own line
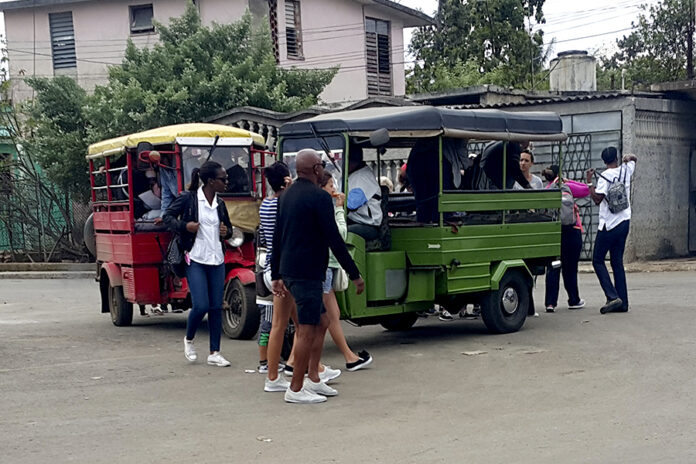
(47, 270)
(88, 270)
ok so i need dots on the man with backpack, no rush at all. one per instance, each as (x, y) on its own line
(612, 194)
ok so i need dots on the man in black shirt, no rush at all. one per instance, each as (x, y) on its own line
(305, 230)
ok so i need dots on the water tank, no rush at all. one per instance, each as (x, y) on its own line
(573, 71)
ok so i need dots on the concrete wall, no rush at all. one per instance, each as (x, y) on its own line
(333, 35)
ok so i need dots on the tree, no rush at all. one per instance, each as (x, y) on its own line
(195, 72)
(660, 49)
(486, 37)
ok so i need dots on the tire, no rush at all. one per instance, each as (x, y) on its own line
(505, 310)
(240, 314)
(121, 310)
(399, 322)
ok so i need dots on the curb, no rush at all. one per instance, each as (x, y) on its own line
(47, 275)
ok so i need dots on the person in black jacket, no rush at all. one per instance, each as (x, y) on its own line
(201, 220)
(305, 230)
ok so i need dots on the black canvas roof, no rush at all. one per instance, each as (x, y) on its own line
(404, 121)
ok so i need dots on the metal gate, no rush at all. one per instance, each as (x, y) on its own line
(692, 201)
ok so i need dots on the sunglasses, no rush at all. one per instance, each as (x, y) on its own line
(322, 164)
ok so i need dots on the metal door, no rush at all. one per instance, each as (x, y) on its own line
(692, 201)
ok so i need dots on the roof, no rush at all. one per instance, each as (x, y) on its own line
(410, 16)
(169, 134)
(425, 121)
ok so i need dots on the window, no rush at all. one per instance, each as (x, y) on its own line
(293, 29)
(62, 40)
(141, 19)
(377, 41)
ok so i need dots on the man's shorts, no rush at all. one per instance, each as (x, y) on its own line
(308, 295)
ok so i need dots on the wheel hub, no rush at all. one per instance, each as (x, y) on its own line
(510, 301)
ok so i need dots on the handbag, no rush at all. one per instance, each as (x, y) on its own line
(175, 257)
(340, 280)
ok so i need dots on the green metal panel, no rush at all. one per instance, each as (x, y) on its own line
(388, 278)
(421, 285)
(447, 246)
(498, 201)
(501, 268)
(468, 278)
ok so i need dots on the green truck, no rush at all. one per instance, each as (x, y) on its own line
(485, 240)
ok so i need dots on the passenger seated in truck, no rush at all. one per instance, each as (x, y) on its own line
(364, 197)
(491, 164)
(423, 173)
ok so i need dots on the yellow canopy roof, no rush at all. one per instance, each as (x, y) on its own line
(169, 134)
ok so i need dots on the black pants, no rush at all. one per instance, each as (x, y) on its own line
(365, 231)
(571, 246)
(613, 242)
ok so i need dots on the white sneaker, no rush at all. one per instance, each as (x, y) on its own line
(278, 385)
(320, 388)
(303, 396)
(329, 374)
(189, 350)
(216, 359)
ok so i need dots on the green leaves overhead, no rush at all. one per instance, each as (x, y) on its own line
(484, 42)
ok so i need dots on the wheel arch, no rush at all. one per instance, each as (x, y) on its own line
(499, 270)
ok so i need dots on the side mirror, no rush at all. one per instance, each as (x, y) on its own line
(379, 137)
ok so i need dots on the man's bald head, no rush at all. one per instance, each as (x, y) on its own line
(307, 162)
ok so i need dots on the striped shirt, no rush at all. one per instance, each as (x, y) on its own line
(267, 215)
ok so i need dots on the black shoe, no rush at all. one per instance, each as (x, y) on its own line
(288, 370)
(614, 305)
(364, 360)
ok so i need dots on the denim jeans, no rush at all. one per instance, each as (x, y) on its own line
(612, 241)
(206, 284)
(168, 181)
(571, 246)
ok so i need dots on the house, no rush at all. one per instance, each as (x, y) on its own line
(82, 38)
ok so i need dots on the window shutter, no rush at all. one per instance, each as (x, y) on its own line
(378, 54)
(293, 31)
(62, 40)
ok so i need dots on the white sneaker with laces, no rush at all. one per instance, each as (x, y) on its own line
(303, 396)
(278, 385)
(189, 350)
(320, 388)
(329, 374)
(216, 359)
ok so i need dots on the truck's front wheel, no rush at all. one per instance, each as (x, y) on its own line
(504, 310)
(240, 314)
(397, 322)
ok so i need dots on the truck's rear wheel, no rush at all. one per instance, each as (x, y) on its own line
(403, 321)
(240, 315)
(504, 310)
(121, 310)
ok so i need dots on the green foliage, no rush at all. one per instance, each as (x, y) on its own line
(194, 72)
(57, 133)
(655, 51)
(478, 42)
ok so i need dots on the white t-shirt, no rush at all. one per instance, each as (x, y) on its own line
(206, 249)
(606, 217)
(371, 212)
(536, 183)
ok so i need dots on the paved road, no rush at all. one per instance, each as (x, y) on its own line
(571, 387)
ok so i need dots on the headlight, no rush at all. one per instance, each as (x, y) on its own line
(237, 238)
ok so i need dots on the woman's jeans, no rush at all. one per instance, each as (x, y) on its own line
(612, 241)
(571, 246)
(206, 284)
